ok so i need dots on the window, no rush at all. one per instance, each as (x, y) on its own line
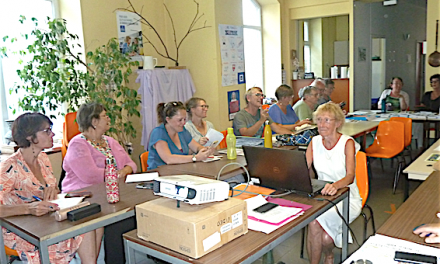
(253, 47)
(307, 52)
(9, 15)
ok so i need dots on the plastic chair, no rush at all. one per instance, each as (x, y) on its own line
(407, 122)
(70, 129)
(12, 253)
(362, 183)
(364, 189)
(388, 143)
(144, 159)
(223, 144)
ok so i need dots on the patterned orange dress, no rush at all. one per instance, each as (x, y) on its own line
(17, 186)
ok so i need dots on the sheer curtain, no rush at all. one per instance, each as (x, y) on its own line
(9, 17)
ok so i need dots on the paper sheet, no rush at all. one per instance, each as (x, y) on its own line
(66, 202)
(381, 249)
(213, 158)
(225, 151)
(141, 177)
(213, 136)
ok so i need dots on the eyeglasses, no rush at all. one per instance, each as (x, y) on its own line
(204, 106)
(260, 95)
(47, 130)
(436, 81)
(324, 120)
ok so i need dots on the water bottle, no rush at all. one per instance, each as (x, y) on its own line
(230, 142)
(384, 105)
(111, 182)
(267, 135)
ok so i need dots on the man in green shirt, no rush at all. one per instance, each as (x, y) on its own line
(305, 106)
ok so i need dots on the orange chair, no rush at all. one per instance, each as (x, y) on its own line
(362, 183)
(389, 143)
(223, 144)
(364, 189)
(407, 123)
(70, 129)
(265, 106)
(144, 159)
(11, 253)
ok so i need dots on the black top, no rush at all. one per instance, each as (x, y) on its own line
(432, 105)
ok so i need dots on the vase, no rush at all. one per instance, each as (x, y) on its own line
(295, 75)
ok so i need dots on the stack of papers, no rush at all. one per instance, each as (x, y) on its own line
(64, 202)
(381, 249)
(275, 218)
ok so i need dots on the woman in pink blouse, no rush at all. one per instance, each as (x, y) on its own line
(87, 153)
(27, 175)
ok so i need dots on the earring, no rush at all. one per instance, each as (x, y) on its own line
(94, 127)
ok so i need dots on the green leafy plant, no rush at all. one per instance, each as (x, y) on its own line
(56, 74)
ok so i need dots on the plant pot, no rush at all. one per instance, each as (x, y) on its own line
(295, 75)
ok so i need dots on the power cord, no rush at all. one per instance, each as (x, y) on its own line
(340, 215)
(247, 173)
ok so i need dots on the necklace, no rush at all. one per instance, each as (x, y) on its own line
(96, 142)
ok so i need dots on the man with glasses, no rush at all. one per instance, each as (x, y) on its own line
(329, 87)
(431, 99)
(308, 102)
(250, 121)
(319, 84)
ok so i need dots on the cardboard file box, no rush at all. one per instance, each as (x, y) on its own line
(192, 230)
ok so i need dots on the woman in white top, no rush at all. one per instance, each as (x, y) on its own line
(333, 156)
(395, 96)
(197, 109)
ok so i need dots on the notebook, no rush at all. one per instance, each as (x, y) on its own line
(281, 169)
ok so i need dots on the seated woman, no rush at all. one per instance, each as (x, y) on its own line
(196, 126)
(333, 156)
(28, 174)
(431, 99)
(170, 142)
(282, 112)
(398, 99)
(87, 153)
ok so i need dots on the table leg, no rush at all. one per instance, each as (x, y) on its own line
(129, 252)
(43, 248)
(437, 127)
(406, 189)
(3, 257)
(345, 208)
(425, 134)
(268, 258)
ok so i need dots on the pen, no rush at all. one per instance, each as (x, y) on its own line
(36, 198)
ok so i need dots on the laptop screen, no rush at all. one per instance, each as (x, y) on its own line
(278, 168)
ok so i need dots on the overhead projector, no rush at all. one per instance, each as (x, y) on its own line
(191, 189)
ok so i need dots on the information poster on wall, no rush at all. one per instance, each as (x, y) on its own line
(232, 52)
(130, 34)
(233, 103)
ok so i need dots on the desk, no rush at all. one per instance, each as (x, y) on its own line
(249, 247)
(359, 129)
(205, 169)
(419, 169)
(420, 208)
(48, 231)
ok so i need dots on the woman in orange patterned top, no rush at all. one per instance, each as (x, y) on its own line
(26, 177)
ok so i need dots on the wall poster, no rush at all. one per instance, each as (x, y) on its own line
(232, 54)
(130, 34)
(233, 103)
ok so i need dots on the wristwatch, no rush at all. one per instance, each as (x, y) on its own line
(194, 159)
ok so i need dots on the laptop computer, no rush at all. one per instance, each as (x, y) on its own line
(282, 170)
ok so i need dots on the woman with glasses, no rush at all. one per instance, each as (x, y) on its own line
(333, 157)
(170, 142)
(88, 152)
(282, 112)
(197, 109)
(27, 185)
(431, 99)
(395, 98)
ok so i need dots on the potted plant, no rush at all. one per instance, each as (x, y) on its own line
(57, 75)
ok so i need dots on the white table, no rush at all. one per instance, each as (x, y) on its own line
(420, 169)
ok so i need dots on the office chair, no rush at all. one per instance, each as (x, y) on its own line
(223, 144)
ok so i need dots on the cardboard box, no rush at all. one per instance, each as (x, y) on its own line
(192, 230)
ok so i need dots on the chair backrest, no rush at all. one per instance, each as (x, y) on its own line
(11, 252)
(362, 176)
(70, 129)
(407, 123)
(144, 159)
(390, 135)
(223, 144)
